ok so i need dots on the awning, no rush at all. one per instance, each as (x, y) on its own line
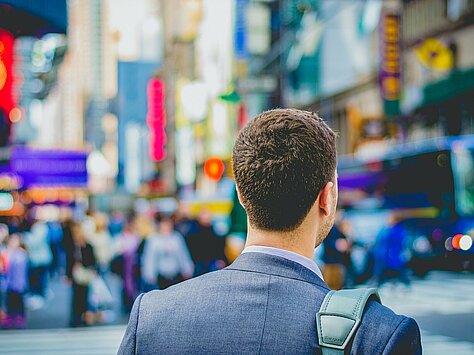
(33, 17)
(458, 83)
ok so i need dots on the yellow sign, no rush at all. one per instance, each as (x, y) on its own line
(434, 54)
(390, 70)
(3, 69)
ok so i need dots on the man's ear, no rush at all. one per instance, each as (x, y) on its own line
(239, 196)
(325, 199)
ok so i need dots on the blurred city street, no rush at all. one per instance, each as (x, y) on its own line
(55, 312)
(48, 331)
(118, 120)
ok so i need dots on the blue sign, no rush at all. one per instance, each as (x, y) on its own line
(47, 168)
(241, 51)
(133, 78)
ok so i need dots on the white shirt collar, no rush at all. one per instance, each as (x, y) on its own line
(286, 254)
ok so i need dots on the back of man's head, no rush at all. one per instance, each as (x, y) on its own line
(281, 161)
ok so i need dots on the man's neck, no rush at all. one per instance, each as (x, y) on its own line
(297, 241)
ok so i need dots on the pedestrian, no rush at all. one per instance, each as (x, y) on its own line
(145, 227)
(128, 241)
(68, 245)
(391, 253)
(184, 223)
(16, 282)
(3, 266)
(97, 235)
(337, 269)
(41, 257)
(81, 272)
(55, 237)
(99, 238)
(206, 247)
(333, 257)
(268, 300)
(116, 223)
(166, 259)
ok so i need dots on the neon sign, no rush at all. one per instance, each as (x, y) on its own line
(390, 68)
(156, 118)
(7, 102)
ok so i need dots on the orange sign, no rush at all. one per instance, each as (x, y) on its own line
(214, 168)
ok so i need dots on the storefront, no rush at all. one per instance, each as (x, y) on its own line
(34, 177)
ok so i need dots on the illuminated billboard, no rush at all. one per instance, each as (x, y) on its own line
(7, 102)
(156, 118)
(390, 62)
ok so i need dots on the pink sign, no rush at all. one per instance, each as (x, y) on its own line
(156, 118)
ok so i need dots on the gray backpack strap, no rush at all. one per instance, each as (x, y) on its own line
(339, 317)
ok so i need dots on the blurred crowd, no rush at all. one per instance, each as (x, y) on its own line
(149, 250)
(146, 251)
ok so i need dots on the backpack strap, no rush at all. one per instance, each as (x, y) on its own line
(339, 317)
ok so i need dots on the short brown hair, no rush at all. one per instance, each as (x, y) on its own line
(281, 161)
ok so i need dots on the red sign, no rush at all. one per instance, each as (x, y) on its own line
(214, 168)
(156, 118)
(242, 116)
(7, 102)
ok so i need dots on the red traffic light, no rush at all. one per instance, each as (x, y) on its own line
(214, 168)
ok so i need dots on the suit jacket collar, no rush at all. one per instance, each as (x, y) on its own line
(275, 265)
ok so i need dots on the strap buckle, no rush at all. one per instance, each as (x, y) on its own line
(338, 329)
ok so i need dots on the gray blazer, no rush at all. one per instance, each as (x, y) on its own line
(259, 304)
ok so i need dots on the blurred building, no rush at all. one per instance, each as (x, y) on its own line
(286, 56)
(33, 45)
(135, 165)
(89, 88)
(379, 72)
(439, 68)
(259, 46)
(65, 97)
(35, 168)
(138, 30)
(202, 102)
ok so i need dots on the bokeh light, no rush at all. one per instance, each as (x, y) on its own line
(465, 243)
(15, 115)
(456, 240)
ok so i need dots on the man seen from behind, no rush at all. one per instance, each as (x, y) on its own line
(284, 164)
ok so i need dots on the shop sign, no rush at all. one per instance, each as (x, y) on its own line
(435, 55)
(266, 83)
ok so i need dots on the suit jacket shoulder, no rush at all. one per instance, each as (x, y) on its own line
(129, 341)
(384, 332)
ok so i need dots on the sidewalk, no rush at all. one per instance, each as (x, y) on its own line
(102, 340)
(443, 306)
(56, 311)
